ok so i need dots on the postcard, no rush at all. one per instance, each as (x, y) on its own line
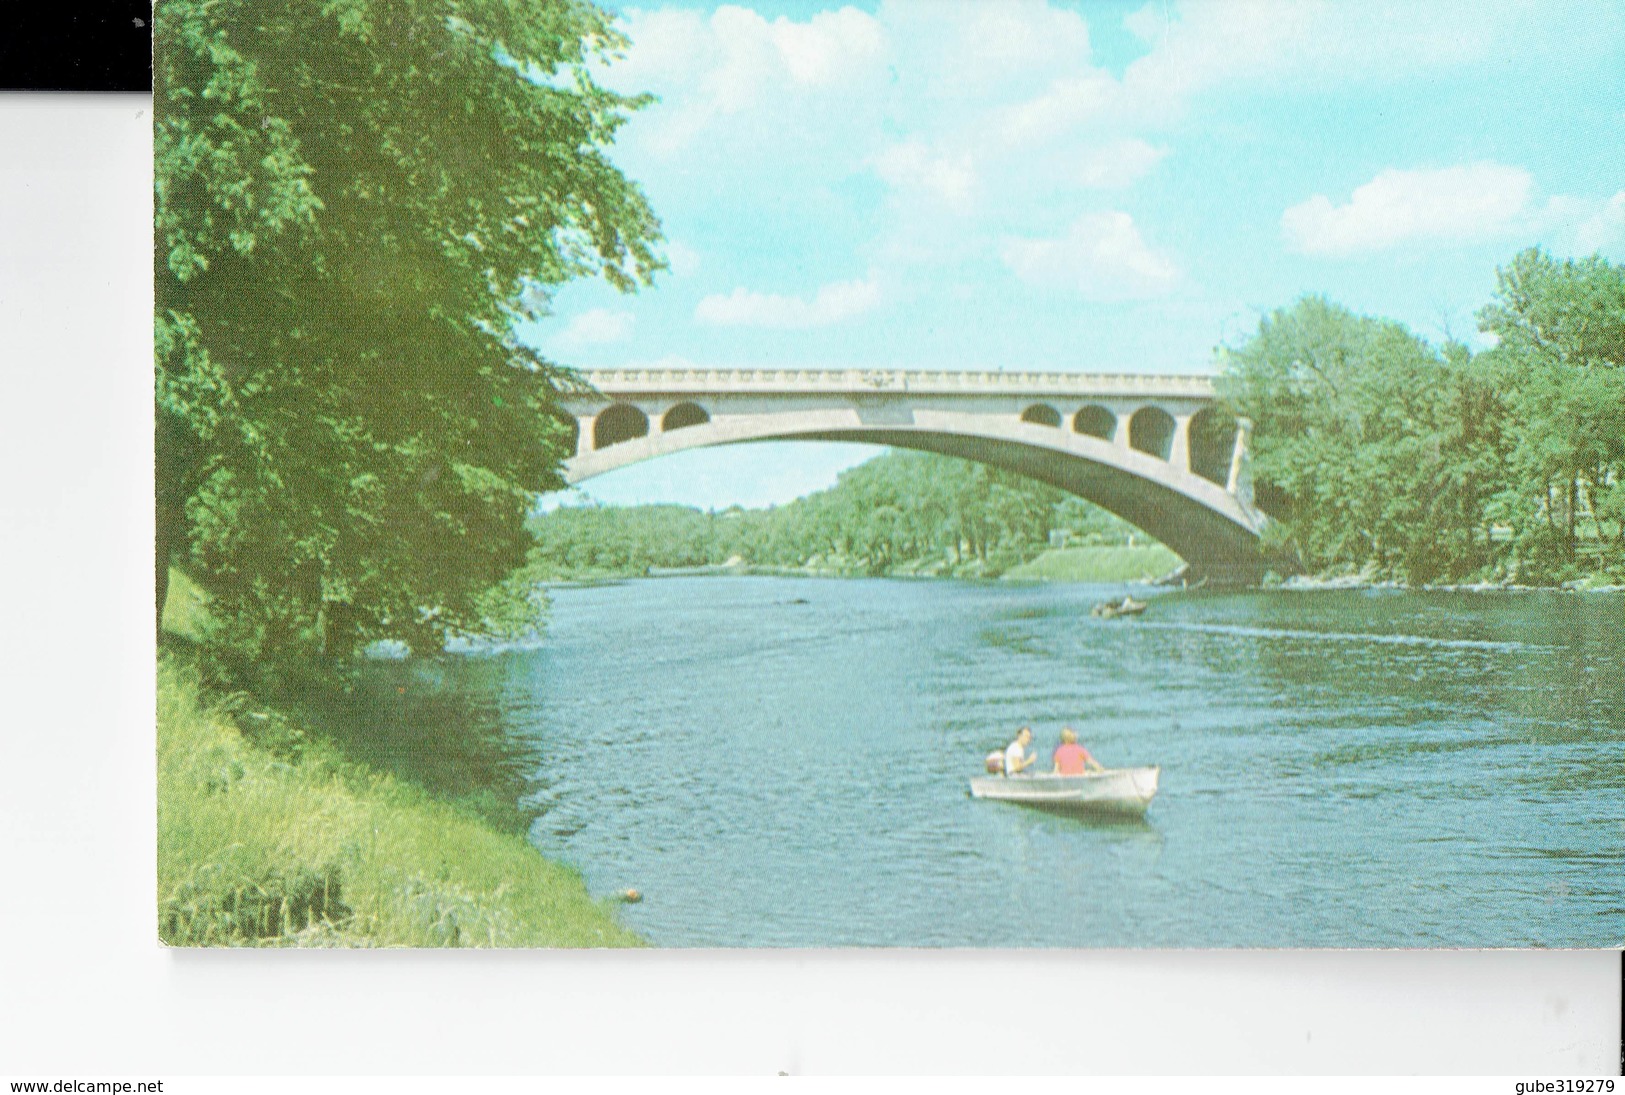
(889, 474)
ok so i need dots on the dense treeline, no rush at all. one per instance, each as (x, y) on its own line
(900, 512)
(1376, 449)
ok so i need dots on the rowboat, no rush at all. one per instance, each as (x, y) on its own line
(1122, 791)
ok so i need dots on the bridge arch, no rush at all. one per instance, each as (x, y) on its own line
(617, 423)
(1151, 431)
(684, 414)
(1213, 435)
(1042, 414)
(1193, 515)
(1096, 421)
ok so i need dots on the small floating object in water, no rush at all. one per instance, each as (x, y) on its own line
(630, 897)
(1110, 610)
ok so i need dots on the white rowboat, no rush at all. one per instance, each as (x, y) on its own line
(1114, 791)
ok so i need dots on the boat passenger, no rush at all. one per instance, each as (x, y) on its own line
(1016, 757)
(1072, 759)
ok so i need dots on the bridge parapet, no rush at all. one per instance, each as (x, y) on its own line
(901, 381)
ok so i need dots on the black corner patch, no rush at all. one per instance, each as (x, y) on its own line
(76, 45)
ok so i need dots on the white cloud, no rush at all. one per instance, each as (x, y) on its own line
(831, 304)
(755, 54)
(1102, 256)
(912, 168)
(1604, 229)
(1065, 104)
(827, 49)
(735, 65)
(991, 126)
(1205, 44)
(1150, 22)
(1197, 44)
(736, 53)
(1467, 202)
(597, 327)
(1118, 164)
(1005, 49)
(1462, 204)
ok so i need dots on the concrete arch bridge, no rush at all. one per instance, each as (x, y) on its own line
(1152, 449)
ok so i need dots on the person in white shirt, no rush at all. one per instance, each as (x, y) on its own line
(1016, 757)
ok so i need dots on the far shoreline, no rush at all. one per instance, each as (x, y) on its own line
(1294, 584)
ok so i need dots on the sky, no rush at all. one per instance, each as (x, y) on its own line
(1095, 187)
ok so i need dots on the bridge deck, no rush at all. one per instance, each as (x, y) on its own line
(910, 381)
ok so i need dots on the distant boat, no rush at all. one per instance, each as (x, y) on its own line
(1121, 791)
(1110, 610)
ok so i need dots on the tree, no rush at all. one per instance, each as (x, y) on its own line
(356, 203)
(1560, 360)
(1374, 445)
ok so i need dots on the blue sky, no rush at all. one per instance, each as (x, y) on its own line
(1091, 187)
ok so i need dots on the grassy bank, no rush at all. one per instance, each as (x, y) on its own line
(1118, 563)
(275, 839)
(299, 847)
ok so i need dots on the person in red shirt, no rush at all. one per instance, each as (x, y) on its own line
(1072, 759)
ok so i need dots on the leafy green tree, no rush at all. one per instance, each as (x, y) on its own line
(356, 203)
(1370, 445)
(1560, 362)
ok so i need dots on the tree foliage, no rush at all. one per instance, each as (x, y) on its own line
(356, 202)
(1560, 360)
(1373, 447)
(1360, 440)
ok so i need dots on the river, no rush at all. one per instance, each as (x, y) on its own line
(784, 762)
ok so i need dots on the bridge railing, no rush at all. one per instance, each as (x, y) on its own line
(916, 381)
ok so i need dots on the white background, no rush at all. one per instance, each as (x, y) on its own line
(85, 988)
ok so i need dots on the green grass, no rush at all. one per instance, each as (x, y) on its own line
(298, 847)
(1099, 564)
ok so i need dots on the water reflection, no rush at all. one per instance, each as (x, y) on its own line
(442, 723)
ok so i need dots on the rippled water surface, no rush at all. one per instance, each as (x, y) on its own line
(784, 762)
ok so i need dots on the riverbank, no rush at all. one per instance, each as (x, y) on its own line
(299, 847)
(1097, 563)
(1108, 563)
(1372, 578)
(274, 838)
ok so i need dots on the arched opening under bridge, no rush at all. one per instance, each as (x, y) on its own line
(619, 422)
(1041, 414)
(1213, 444)
(1151, 431)
(683, 415)
(1095, 421)
(1192, 516)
